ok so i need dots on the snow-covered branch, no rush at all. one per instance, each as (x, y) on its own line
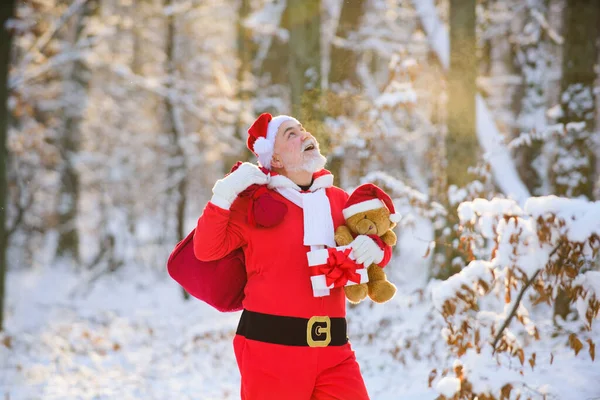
(43, 40)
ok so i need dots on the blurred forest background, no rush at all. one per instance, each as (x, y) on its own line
(121, 114)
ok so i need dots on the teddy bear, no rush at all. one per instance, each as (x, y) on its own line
(369, 211)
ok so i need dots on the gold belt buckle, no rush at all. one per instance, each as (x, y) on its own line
(323, 327)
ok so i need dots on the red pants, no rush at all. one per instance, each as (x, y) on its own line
(277, 372)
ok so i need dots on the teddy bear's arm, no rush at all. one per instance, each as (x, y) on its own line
(389, 238)
(343, 236)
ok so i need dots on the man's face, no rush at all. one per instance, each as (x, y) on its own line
(296, 149)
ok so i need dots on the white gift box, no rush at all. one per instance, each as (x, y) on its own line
(318, 258)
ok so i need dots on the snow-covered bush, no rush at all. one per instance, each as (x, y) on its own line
(521, 259)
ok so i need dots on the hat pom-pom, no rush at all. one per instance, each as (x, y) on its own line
(262, 146)
(395, 218)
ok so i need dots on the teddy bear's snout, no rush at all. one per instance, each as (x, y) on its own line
(366, 227)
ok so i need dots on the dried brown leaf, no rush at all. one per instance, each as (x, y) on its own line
(432, 376)
(427, 252)
(7, 342)
(505, 391)
(521, 355)
(575, 343)
(532, 360)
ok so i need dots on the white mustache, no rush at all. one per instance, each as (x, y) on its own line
(309, 142)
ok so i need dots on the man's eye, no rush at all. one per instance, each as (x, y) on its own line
(292, 133)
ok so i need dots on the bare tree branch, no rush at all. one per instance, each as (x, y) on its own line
(43, 40)
(519, 298)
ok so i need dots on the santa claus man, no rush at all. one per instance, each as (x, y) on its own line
(290, 344)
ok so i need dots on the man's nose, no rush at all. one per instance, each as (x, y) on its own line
(306, 135)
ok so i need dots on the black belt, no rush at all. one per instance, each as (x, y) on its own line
(318, 331)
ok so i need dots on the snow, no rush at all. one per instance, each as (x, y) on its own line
(132, 336)
(129, 338)
(448, 386)
(555, 112)
(470, 276)
(394, 98)
(581, 216)
(482, 207)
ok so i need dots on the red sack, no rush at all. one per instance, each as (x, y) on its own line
(218, 283)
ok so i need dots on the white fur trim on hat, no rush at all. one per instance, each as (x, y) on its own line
(363, 206)
(263, 147)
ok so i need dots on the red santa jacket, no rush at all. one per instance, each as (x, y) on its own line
(278, 278)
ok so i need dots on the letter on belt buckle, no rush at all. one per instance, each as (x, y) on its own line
(322, 328)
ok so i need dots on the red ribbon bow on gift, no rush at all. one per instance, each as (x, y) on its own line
(340, 268)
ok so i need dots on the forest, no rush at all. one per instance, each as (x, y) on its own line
(480, 118)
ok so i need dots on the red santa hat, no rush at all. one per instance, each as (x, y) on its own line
(261, 136)
(369, 197)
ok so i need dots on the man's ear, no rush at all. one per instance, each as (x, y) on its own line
(276, 161)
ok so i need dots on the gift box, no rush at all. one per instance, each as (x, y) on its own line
(333, 268)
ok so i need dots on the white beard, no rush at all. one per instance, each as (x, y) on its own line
(312, 164)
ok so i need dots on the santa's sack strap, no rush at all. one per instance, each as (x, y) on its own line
(219, 283)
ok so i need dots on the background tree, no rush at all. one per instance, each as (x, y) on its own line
(574, 170)
(533, 60)
(303, 19)
(461, 140)
(176, 131)
(6, 12)
(343, 71)
(343, 56)
(75, 94)
(574, 167)
(462, 148)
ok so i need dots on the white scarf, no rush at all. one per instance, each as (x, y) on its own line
(318, 223)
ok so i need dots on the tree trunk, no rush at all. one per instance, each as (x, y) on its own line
(461, 141)
(7, 9)
(139, 20)
(246, 49)
(343, 63)
(277, 57)
(76, 93)
(303, 19)
(573, 171)
(532, 58)
(178, 169)
(343, 60)
(485, 60)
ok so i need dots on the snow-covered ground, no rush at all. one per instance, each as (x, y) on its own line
(131, 336)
